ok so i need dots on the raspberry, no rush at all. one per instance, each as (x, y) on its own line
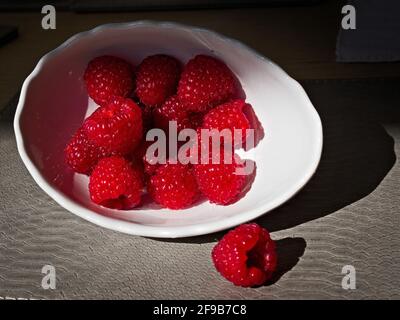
(81, 154)
(139, 157)
(156, 79)
(205, 83)
(196, 119)
(246, 255)
(228, 116)
(147, 116)
(149, 165)
(218, 181)
(149, 168)
(108, 76)
(172, 110)
(173, 186)
(117, 127)
(114, 183)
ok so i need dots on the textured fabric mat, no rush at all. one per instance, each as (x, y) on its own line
(348, 214)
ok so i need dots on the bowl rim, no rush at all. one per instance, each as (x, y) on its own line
(129, 227)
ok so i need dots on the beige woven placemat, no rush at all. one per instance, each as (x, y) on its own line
(347, 215)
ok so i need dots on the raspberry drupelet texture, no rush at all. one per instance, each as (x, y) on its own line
(246, 255)
(140, 157)
(148, 117)
(81, 154)
(172, 110)
(116, 127)
(115, 183)
(229, 116)
(173, 186)
(108, 76)
(196, 119)
(220, 182)
(149, 164)
(156, 79)
(206, 82)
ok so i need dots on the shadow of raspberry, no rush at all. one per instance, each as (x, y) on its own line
(289, 252)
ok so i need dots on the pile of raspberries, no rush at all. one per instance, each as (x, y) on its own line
(110, 145)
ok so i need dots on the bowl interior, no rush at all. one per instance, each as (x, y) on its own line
(56, 104)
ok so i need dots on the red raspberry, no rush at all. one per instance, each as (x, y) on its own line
(207, 142)
(147, 116)
(228, 116)
(218, 181)
(196, 119)
(117, 127)
(149, 166)
(114, 183)
(81, 154)
(108, 76)
(173, 186)
(205, 83)
(172, 110)
(156, 79)
(246, 255)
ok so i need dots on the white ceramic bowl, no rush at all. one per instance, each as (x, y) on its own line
(54, 102)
